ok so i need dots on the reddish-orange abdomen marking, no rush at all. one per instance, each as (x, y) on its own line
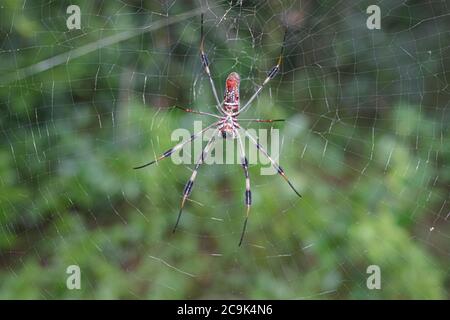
(231, 97)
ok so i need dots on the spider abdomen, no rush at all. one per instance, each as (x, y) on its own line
(231, 97)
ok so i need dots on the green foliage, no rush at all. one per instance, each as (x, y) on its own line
(366, 141)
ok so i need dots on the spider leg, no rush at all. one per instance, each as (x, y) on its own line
(205, 64)
(248, 192)
(270, 75)
(263, 120)
(188, 187)
(176, 147)
(197, 112)
(274, 163)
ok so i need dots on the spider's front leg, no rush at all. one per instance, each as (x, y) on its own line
(270, 75)
(205, 64)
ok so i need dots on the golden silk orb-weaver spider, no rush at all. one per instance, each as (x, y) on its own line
(227, 126)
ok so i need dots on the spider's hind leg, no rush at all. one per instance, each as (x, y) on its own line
(189, 185)
(248, 192)
(277, 167)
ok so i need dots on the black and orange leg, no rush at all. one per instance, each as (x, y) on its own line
(188, 187)
(197, 112)
(248, 192)
(169, 152)
(205, 64)
(270, 75)
(277, 167)
(263, 120)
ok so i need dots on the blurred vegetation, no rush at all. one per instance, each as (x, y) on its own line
(366, 141)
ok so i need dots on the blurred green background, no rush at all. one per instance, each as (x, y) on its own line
(366, 142)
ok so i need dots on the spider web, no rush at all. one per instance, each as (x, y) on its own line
(366, 141)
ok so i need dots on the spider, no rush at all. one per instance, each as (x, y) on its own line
(227, 126)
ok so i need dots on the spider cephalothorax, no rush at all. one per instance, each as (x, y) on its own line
(227, 126)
